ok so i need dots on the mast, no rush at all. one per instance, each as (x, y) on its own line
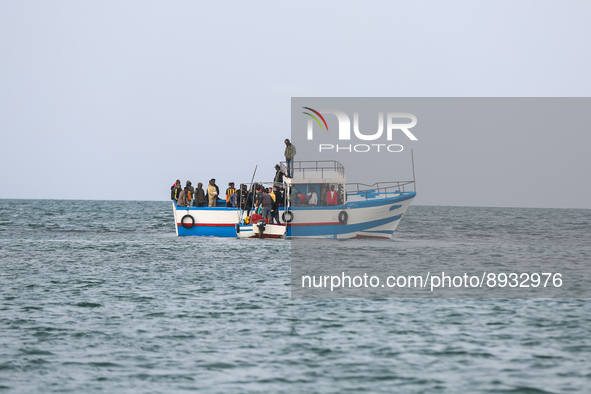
(412, 158)
(240, 210)
(250, 188)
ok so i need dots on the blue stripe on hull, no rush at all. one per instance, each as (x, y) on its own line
(208, 231)
(334, 231)
(381, 201)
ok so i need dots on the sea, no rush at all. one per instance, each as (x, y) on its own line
(103, 297)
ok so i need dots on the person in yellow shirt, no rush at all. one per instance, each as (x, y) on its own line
(229, 191)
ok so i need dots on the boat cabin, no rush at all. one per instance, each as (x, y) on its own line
(315, 177)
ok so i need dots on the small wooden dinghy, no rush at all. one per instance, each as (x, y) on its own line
(260, 229)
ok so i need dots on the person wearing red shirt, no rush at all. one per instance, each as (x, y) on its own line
(331, 196)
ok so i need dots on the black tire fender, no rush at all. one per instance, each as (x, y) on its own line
(237, 229)
(285, 214)
(188, 225)
(343, 217)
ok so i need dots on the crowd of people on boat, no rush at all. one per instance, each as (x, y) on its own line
(263, 201)
(244, 198)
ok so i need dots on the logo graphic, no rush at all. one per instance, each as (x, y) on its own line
(345, 129)
(315, 118)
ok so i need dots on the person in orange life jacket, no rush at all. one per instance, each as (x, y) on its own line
(190, 194)
(331, 196)
(230, 191)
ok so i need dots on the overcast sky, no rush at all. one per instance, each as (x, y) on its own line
(116, 100)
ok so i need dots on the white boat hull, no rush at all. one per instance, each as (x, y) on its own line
(376, 217)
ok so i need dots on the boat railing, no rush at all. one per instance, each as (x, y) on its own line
(387, 188)
(313, 168)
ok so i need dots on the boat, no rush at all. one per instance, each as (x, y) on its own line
(260, 229)
(361, 211)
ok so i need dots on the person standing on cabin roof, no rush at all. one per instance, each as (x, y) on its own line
(212, 193)
(175, 190)
(278, 181)
(331, 196)
(290, 152)
(229, 192)
(190, 194)
(199, 195)
(182, 201)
